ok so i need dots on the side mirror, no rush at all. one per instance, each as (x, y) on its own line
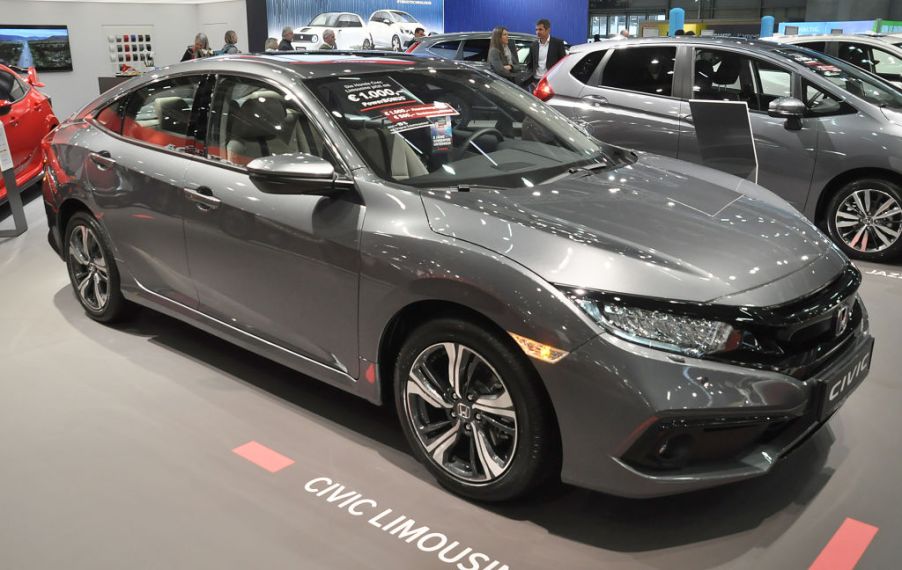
(5, 106)
(786, 108)
(386, 21)
(33, 77)
(297, 173)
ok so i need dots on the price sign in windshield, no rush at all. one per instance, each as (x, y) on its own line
(375, 94)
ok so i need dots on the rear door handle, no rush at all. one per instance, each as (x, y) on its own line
(596, 99)
(203, 198)
(102, 159)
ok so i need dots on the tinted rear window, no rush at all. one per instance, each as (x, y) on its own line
(586, 66)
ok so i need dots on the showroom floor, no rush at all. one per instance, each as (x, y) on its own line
(125, 447)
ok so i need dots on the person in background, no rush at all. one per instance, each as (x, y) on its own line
(201, 48)
(231, 38)
(418, 34)
(287, 36)
(596, 38)
(690, 33)
(624, 33)
(272, 44)
(680, 32)
(328, 40)
(499, 58)
(544, 52)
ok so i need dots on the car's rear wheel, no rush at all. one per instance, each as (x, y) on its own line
(93, 271)
(395, 43)
(367, 44)
(474, 411)
(865, 219)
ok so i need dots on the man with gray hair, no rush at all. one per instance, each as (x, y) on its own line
(328, 40)
(287, 36)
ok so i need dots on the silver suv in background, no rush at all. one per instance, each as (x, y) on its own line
(828, 136)
(878, 54)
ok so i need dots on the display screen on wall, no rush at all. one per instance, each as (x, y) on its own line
(44, 47)
(357, 23)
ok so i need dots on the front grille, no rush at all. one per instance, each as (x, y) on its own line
(799, 338)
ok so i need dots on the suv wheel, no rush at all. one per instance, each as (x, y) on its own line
(865, 219)
(93, 271)
(473, 411)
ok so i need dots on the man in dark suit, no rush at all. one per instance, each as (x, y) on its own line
(544, 53)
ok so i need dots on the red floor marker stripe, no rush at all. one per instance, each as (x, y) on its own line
(263, 456)
(846, 547)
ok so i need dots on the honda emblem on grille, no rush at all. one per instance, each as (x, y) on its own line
(463, 411)
(842, 319)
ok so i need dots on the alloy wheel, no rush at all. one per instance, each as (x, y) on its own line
(89, 268)
(869, 220)
(461, 413)
(396, 43)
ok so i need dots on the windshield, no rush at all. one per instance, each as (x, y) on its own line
(455, 127)
(847, 77)
(404, 17)
(327, 19)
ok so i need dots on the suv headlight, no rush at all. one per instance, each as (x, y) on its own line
(692, 336)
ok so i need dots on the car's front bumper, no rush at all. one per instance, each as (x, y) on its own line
(617, 403)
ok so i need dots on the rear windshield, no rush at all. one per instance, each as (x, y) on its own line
(847, 77)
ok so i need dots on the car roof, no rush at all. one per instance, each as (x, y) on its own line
(742, 43)
(826, 38)
(467, 35)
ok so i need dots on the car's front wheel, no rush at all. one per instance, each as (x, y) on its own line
(395, 43)
(367, 44)
(865, 219)
(474, 411)
(93, 271)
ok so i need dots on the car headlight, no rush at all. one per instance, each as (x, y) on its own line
(691, 336)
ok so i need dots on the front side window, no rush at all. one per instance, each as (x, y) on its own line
(349, 21)
(641, 69)
(377, 17)
(329, 19)
(160, 114)
(454, 127)
(822, 104)
(730, 76)
(404, 17)
(111, 116)
(11, 89)
(886, 64)
(476, 50)
(251, 119)
(856, 54)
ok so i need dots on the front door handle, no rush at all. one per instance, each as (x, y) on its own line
(203, 198)
(102, 159)
(596, 99)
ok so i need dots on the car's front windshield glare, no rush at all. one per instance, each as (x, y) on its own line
(328, 19)
(427, 128)
(847, 77)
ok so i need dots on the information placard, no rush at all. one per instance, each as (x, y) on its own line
(6, 158)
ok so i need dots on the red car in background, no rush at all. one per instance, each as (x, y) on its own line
(26, 115)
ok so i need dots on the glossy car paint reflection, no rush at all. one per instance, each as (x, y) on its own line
(322, 283)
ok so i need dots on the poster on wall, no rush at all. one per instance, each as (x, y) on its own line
(357, 24)
(46, 48)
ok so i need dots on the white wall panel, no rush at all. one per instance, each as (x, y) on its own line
(174, 26)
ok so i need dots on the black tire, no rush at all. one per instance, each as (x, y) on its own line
(101, 297)
(529, 451)
(870, 235)
(367, 44)
(396, 44)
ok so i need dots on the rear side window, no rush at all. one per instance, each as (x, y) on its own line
(583, 70)
(111, 117)
(476, 50)
(447, 50)
(641, 69)
(159, 114)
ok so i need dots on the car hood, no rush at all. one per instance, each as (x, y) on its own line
(658, 227)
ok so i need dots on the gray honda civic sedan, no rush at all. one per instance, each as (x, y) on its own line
(535, 303)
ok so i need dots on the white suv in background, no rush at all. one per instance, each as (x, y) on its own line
(876, 53)
(392, 28)
(350, 31)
